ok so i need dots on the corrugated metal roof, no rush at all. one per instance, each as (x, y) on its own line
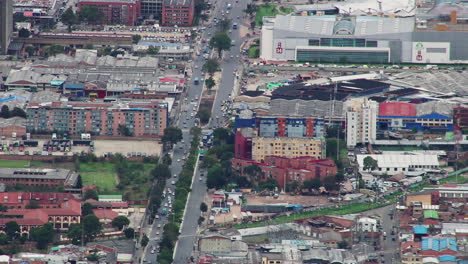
(420, 230)
(431, 214)
(397, 109)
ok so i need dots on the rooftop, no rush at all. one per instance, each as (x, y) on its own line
(363, 7)
(177, 2)
(68, 176)
(302, 108)
(14, 121)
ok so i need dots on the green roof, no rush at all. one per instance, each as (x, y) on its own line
(431, 214)
(110, 196)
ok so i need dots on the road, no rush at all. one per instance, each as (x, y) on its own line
(186, 120)
(228, 65)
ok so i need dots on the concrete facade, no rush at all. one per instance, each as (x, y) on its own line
(287, 147)
(6, 24)
(178, 12)
(361, 121)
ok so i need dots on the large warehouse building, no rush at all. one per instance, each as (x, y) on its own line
(434, 36)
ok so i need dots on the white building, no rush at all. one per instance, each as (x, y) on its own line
(395, 163)
(361, 121)
(367, 224)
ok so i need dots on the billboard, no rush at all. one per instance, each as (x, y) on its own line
(431, 52)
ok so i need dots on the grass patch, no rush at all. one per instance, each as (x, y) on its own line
(14, 163)
(286, 10)
(264, 10)
(96, 166)
(105, 181)
(254, 51)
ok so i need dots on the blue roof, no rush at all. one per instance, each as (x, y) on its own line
(447, 258)
(435, 116)
(420, 230)
(72, 86)
(160, 44)
(439, 244)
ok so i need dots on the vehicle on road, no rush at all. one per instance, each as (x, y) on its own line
(196, 81)
(234, 26)
(173, 182)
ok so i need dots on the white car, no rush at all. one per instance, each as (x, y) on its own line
(178, 160)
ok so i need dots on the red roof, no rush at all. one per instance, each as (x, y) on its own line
(167, 79)
(105, 214)
(40, 198)
(397, 109)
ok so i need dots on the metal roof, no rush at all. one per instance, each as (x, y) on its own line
(439, 244)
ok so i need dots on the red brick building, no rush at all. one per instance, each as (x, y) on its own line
(287, 170)
(19, 200)
(178, 12)
(460, 118)
(38, 177)
(243, 143)
(124, 12)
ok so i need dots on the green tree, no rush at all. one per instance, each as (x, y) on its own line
(220, 42)
(86, 209)
(292, 186)
(5, 112)
(216, 177)
(124, 130)
(120, 221)
(162, 171)
(3, 239)
(24, 33)
(79, 181)
(33, 205)
(166, 159)
(30, 50)
(136, 39)
(91, 227)
(3, 208)
(211, 66)
(43, 235)
(222, 135)
(69, 18)
(224, 24)
(270, 184)
(18, 112)
(203, 207)
(90, 194)
(370, 164)
(152, 50)
(129, 232)
(312, 184)
(144, 240)
(209, 161)
(210, 83)
(339, 177)
(201, 219)
(330, 184)
(75, 233)
(91, 15)
(251, 9)
(204, 114)
(253, 171)
(172, 135)
(12, 229)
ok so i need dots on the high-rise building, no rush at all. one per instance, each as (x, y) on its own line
(151, 8)
(124, 12)
(361, 121)
(6, 24)
(178, 12)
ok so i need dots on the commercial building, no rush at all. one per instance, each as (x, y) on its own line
(140, 119)
(287, 147)
(460, 118)
(287, 170)
(6, 24)
(123, 12)
(12, 126)
(38, 177)
(151, 8)
(391, 164)
(432, 32)
(178, 12)
(361, 121)
(20, 200)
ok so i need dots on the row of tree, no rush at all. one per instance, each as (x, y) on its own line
(87, 14)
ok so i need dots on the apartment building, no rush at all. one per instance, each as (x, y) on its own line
(287, 147)
(361, 121)
(178, 12)
(123, 12)
(151, 8)
(139, 119)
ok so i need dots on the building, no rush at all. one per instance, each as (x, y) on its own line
(178, 12)
(391, 164)
(122, 12)
(429, 34)
(219, 245)
(6, 24)
(20, 200)
(430, 116)
(361, 121)
(39, 177)
(287, 147)
(460, 118)
(151, 9)
(287, 170)
(13, 126)
(146, 118)
(243, 143)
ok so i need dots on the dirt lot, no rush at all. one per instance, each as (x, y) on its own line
(305, 201)
(150, 147)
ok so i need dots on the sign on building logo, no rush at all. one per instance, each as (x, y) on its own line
(279, 48)
(419, 47)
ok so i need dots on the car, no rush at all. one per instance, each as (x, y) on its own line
(159, 225)
(178, 160)
(196, 66)
(152, 251)
(175, 175)
(201, 179)
(157, 233)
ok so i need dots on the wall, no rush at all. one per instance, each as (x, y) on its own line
(424, 52)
